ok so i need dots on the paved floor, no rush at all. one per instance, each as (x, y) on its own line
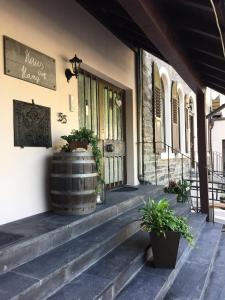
(31, 227)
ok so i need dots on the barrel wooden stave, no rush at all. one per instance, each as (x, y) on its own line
(73, 183)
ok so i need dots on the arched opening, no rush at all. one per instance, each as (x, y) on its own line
(166, 91)
(181, 110)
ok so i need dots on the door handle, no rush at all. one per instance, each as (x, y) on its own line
(110, 148)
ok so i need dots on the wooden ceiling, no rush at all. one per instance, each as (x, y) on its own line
(190, 23)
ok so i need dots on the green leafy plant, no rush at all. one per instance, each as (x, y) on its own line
(88, 136)
(159, 218)
(182, 189)
(222, 198)
(172, 187)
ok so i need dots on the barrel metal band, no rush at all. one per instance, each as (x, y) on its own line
(74, 175)
(74, 154)
(73, 161)
(87, 192)
(71, 206)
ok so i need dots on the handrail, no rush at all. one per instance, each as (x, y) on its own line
(194, 163)
(176, 151)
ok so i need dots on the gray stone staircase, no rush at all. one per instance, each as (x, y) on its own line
(42, 253)
(191, 278)
(100, 256)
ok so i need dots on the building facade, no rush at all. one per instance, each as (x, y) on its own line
(109, 67)
(168, 123)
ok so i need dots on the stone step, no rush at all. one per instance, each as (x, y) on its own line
(29, 238)
(46, 273)
(105, 279)
(193, 278)
(215, 289)
(153, 283)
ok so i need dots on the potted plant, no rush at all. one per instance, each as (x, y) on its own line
(81, 139)
(165, 229)
(222, 198)
(172, 187)
(182, 189)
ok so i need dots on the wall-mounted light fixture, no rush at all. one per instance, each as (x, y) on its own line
(76, 61)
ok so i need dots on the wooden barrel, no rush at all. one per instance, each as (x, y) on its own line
(73, 183)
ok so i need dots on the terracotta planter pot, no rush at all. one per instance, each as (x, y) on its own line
(165, 249)
(78, 144)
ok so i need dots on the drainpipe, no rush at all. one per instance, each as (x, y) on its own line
(139, 97)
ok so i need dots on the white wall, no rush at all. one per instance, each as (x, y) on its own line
(58, 29)
(218, 134)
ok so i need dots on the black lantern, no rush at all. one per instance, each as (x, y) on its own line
(76, 61)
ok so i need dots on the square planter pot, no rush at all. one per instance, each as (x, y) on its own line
(165, 249)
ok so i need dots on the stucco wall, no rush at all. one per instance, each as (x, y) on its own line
(58, 29)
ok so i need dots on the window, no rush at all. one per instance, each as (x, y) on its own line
(187, 130)
(175, 118)
(162, 113)
(88, 101)
(158, 110)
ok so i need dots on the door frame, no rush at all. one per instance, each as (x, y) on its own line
(100, 118)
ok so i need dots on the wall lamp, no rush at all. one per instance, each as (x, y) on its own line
(76, 61)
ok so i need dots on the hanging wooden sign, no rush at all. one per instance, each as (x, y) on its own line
(27, 64)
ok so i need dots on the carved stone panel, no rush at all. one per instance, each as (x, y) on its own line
(32, 125)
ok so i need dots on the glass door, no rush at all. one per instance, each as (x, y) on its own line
(102, 109)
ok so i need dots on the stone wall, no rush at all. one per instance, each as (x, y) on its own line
(150, 167)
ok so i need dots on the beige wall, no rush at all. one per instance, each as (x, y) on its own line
(60, 31)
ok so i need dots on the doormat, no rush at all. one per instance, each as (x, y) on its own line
(126, 189)
(8, 238)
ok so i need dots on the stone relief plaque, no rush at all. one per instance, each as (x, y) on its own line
(27, 64)
(32, 125)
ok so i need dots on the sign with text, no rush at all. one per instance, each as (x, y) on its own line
(28, 64)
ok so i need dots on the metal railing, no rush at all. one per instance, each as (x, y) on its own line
(215, 161)
(186, 165)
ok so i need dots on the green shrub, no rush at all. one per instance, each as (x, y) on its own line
(159, 218)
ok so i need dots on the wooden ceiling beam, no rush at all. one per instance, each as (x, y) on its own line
(197, 53)
(195, 5)
(210, 68)
(207, 34)
(147, 16)
(215, 86)
(206, 58)
(220, 11)
(213, 77)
